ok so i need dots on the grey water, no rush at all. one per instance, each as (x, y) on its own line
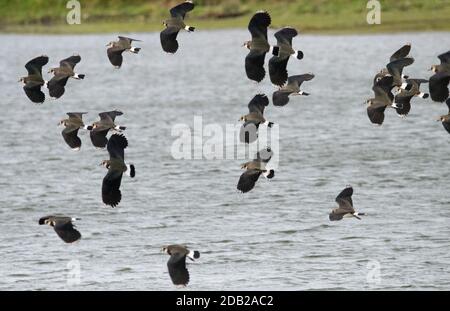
(276, 237)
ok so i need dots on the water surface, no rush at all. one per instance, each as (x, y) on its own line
(276, 237)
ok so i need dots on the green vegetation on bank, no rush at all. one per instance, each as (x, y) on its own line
(309, 16)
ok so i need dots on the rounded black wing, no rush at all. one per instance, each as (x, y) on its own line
(177, 269)
(248, 180)
(258, 24)
(116, 146)
(181, 9)
(111, 194)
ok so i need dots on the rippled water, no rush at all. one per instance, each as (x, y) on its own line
(276, 237)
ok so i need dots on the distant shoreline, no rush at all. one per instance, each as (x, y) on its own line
(105, 28)
(308, 17)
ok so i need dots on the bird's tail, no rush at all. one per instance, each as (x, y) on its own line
(269, 174)
(79, 76)
(406, 86)
(396, 105)
(135, 50)
(120, 128)
(423, 95)
(88, 127)
(356, 215)
(193, 255)
(269, 124)
(131, 171)
(189, 28)
(298, 55)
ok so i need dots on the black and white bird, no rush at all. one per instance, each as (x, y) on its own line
(278, 64)
(383, 98)
(445, 119)
(254, 169)
(345, 209)
(71, 127)
(177, 263)
(258, 46)
(116, 48)
(63, 227)
(56, 85)
(111, 194)
(255, 117)
(403, 98)
(439, 82)
(100, 129)
(174, 24)
(281, 97)
(395, 69)
(397, 62)
(34, 81)
(444, 66)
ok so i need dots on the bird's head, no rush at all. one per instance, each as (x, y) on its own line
(434, 68)
(52, 70)
(247, 44)
(242, 118)
(165, 250)
(22, 79)
(368, 102)
(110, 44)
(49, 222)
(62, 122)
(105, 163)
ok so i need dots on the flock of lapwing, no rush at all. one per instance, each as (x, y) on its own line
(392, 89)
(34, 86)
